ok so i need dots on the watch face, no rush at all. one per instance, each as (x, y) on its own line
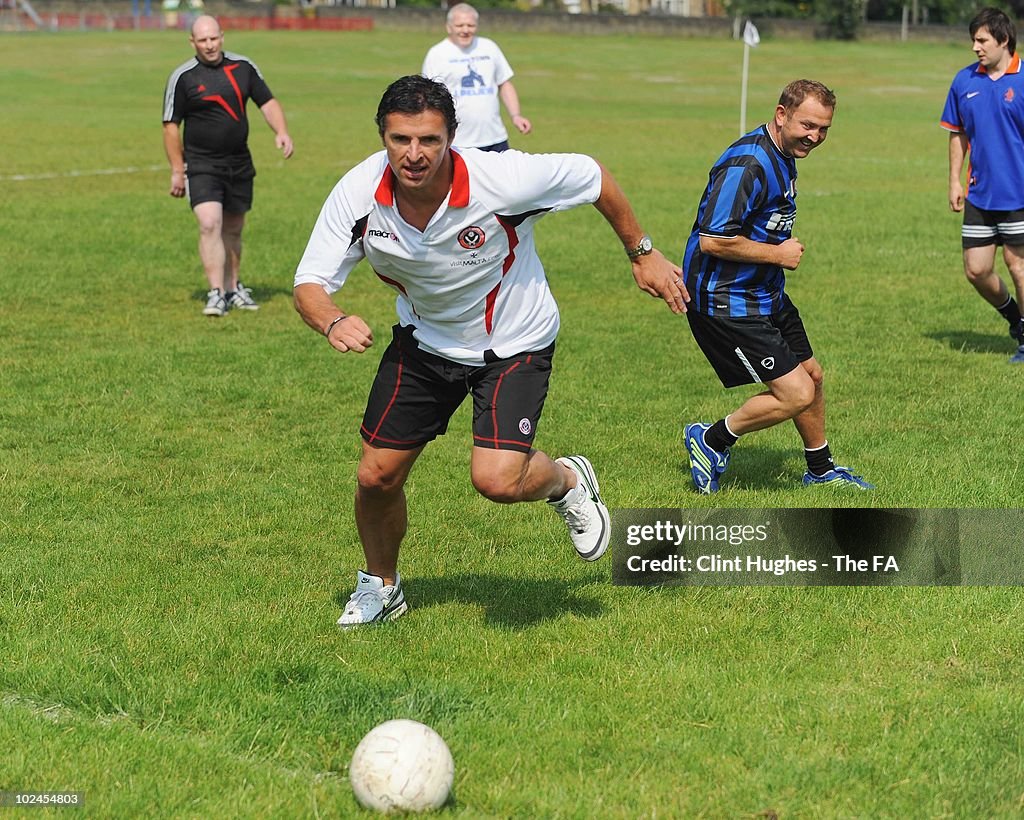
(644, 248)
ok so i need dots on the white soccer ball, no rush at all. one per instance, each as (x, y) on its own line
(402, 765)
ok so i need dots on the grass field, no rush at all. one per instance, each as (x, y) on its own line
(176, 530)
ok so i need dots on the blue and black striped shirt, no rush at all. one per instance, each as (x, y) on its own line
(751, 192)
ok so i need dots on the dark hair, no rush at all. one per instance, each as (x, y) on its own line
(999, 25)
(415, 94)
(797, 91)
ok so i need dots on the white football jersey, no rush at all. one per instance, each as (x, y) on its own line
(471, 281)
(473, 76)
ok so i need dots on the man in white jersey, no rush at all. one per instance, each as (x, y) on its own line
(452, 234)
(477, 75)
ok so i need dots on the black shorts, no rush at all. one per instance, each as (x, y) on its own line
(232, 189)
(415, 393)
(497, 148)
(982, 228)
(755, 348)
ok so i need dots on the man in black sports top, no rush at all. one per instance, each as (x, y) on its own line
(209, 94)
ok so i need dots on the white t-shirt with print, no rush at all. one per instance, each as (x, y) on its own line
(472, 76)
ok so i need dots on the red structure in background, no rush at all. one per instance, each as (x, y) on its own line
(296, 23)
(129, 22)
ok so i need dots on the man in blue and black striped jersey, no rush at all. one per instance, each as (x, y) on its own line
(739, 313)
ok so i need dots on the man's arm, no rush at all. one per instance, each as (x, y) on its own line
(274, 115)
(957, 153)
(742, 249)
(318, 310)
(176, 157)
(653, 273)
(510, 98)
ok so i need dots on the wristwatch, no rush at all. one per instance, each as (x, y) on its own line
(644, 248)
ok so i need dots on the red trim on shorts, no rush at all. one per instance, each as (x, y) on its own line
(492, 443)
(494, 400)
(374, 436)
(374, 439)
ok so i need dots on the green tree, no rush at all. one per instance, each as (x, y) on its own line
(840, 19)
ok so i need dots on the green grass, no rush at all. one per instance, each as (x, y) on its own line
(175, 493)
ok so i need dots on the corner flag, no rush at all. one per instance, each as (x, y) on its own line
(750, 35)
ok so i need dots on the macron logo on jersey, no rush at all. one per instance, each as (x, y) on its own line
(385, 235)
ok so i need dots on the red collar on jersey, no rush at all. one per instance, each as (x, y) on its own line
(459, 197)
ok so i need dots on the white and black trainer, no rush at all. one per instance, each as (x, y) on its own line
(583, 511)
(215, 303)
(241, 298)
(373, 602)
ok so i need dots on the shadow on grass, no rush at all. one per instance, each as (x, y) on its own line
(508, 603)
(755, 467)
(260, 293)
(965, 341)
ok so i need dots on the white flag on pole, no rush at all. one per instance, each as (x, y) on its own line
(750, 35)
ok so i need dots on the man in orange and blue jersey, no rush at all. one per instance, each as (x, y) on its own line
(984, 115)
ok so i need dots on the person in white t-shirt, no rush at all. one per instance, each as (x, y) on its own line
(477, 75)
(452, 233)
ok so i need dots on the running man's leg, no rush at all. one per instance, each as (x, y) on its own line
(786, 398)
(380, 507)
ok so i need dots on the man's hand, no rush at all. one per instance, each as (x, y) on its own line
(351, 334)
(655, 275)
(790, 252)
(523, 125)
(177, 184)
(284, 142)
(956, 196)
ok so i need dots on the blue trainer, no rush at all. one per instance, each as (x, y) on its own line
(838, 476)
(1018, 357)
(706, 465)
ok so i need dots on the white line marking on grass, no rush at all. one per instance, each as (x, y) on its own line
(103, 172)
(61, 714)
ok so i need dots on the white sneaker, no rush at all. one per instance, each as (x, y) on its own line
(583, 512)
(215, 304)
(372, 602)
(241, 298)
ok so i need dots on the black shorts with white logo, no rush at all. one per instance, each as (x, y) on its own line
(232, 188)
(982, 228)
(754, 348)
(415, 394)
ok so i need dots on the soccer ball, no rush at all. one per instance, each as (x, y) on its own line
(402, 765)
